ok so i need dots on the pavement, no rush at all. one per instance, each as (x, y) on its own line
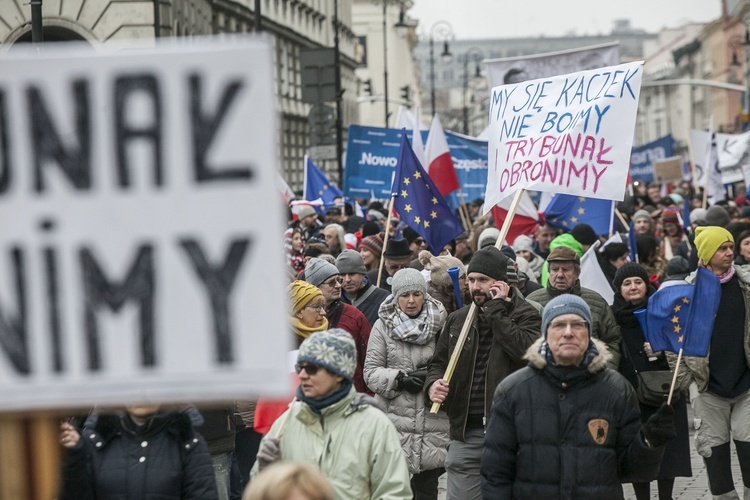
(685, 488)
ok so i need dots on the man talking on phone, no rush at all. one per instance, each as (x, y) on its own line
(503, 329)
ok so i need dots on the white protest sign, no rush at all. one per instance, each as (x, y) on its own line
(139, 256)
(570, 134)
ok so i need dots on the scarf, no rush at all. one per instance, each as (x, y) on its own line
(305, 331)
(419, 330)
(319, 404)
(724, 278)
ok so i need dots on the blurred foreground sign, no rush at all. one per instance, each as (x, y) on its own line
(132, 267)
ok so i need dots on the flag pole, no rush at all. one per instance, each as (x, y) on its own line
(385, 239)
(674, 377)
(473, 308)
(463, 211)
(622, 219)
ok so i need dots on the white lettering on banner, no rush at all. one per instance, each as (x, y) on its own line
(648, 156)
(129, 268)
(570, 133)
(378, 161)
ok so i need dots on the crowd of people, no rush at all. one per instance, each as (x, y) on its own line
(540, 402)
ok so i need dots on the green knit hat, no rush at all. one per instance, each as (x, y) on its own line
(332, 349)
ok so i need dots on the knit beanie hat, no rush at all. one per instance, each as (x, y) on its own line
(678, 266)
(512, 274)
(373, 243)
(669, 216)
(698, 215)
(566, 303)
(305, 211)
(301, 294)
(408, 280)
(629, 270)
(350, 261)
(488, 237)
(717, 216)
(332, 349)
(438, 267)
(489, 261)
(584, 234)
(409, 234)
(708, 239)
(523, 243)
(318, 270)
(643, 214)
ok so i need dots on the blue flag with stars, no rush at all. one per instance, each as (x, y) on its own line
(419, 202)
(566, 211)
(317, 186)
(682, 316)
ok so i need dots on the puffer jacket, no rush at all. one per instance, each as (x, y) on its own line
(116, 460)
(695, 368)
(557, 433)
(605, 327)
(514, 326)
(423, 434)
(352, 443)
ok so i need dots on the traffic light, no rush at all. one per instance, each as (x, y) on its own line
(405, 93)
(368, 86)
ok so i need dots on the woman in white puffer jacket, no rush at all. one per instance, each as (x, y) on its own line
(402, 342)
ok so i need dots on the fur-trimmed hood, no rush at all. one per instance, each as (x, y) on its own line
(598, 364)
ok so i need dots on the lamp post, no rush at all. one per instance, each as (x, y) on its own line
(440, 31)
(476, 54)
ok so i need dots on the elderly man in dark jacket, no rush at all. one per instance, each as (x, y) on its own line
(505, 326)
(567, 427)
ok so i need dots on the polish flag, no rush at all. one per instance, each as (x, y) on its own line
(524, 220)
(286, 192)
(439, 163)
(416, 143)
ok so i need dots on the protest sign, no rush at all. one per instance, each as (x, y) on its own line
(571, 133)
(531, 67)
(668, 169)
(733, 152)
(131, 266)
(642, 158)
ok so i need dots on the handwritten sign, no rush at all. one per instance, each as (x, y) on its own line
(571, 134)
(132, 267)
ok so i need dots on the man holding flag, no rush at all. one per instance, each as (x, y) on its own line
(723, 374)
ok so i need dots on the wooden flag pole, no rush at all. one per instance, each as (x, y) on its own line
(464, 211)
(385, 239)
(621, 217)
(674, 377)
(473, 308)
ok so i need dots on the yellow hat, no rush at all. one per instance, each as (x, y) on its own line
(708, 239)
(301, 293)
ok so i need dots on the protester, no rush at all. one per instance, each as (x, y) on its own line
(672, 234)
(643, 223)
(523, 246)
(566, 426)
(611, 258)
(742, 249)
(723, 377)
(585, 235)
(307, 221)
(358, 291)
(334, 235)
(218, 429)
(141, 452)
(543, 237)
(416, 242)
(289, 481)
(370, 249)
(332, 427)
(463, 248)
(339, 314)
(402, 343)
(648, 256)
(632, 291)
(504, 327)
(397, 256)
(565, 270)
(294, 243)
(308, 308)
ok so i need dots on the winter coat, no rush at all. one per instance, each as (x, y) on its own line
(423, 434)
(514, 326)
(370, 304)
(117, 460)
(562, 433)
(697, 368)
(604, 328)
(352, 443)
(349, 318)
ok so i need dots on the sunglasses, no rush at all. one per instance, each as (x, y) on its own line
(309, 369)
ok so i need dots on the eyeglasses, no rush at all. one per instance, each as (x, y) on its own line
(419, 241)
(333, 281)
(309, 369)
(316, 306)
(561, 326)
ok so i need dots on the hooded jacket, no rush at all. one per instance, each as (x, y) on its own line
(562, 433)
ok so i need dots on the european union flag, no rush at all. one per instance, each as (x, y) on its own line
(419, 202)
(632, 244)
(317, 185)
(682, 316)
(566, 211)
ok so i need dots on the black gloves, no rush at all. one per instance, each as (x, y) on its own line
(659, 428)
(411, 382)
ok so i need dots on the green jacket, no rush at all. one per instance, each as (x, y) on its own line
(564, 240)
(352, 443)
(605, 327)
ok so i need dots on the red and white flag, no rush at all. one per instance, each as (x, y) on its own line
(524, 221)
(439, 163)
(286, 192)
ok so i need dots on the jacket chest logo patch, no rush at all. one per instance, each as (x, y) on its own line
(599, 428)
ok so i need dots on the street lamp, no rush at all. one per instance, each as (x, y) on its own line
(476, 54)
(440, 31)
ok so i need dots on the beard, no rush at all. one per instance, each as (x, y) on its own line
(480, 298)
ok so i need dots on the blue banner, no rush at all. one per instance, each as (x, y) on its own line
(372, 155)
(642, 158)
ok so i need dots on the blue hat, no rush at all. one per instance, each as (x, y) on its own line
(566, 303)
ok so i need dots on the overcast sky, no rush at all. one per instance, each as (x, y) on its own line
(514, 18)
